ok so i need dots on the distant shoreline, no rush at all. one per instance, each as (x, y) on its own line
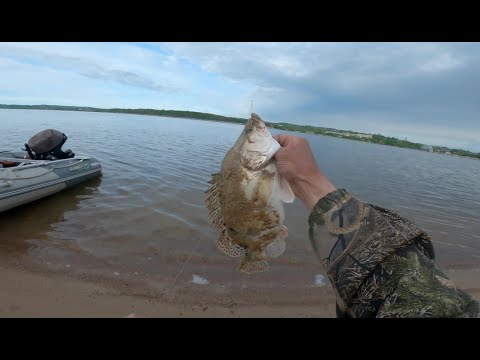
(308, 129)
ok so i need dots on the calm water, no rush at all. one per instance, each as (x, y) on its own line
(146, 215)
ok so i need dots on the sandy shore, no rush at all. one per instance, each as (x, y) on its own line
(33, 292)
(29, 290)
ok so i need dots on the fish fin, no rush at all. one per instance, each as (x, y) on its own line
(226, 246)
(213, 202)
(250, 267)
(224, 243)
(286, 192)
(276, 247)
(274, 147)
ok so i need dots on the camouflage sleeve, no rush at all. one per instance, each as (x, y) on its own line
(380, 264)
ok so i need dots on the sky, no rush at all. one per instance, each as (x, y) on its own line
(425, 92)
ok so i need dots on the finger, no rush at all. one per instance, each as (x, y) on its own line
(279, 153)
(281, 138)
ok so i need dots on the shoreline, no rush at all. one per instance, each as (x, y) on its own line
(309, 129)
(30, 291)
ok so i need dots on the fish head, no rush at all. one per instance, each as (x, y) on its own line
(256, 145)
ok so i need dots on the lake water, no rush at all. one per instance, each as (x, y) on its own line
(146, 217)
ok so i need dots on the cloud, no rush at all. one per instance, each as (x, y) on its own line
(414, 88)
(401, 84)
(82, 63)
(381, 73)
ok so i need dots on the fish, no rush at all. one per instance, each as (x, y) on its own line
(246, 200)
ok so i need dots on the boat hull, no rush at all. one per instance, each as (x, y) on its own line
(34, 180)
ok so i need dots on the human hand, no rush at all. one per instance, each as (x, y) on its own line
(296, 163)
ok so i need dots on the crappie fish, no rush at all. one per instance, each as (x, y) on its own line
(245, 200)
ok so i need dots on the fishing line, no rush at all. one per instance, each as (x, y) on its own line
(182, 268)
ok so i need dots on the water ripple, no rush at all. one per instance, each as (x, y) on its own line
(151, 197)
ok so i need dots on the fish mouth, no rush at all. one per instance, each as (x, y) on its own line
(258, 122)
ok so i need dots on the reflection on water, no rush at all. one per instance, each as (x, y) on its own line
(20, 227)
(147, 214)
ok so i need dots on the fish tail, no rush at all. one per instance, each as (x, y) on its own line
(250, 267)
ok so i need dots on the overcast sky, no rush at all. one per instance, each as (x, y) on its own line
(426, 92)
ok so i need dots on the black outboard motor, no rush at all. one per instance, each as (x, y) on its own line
(47, 145)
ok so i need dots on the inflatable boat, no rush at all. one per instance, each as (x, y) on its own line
(42, 169)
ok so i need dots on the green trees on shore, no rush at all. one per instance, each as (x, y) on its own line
(377, 139)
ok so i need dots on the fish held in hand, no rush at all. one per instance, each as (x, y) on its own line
(245, 200)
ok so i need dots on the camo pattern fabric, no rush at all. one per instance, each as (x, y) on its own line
(380, 264)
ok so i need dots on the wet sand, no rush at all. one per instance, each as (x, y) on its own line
(28, 290)
(33, 292)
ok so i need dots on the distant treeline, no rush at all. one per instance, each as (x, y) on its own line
(377, 139)
(384, 140)
(165, 113)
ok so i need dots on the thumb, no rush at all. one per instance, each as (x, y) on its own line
(281, 138)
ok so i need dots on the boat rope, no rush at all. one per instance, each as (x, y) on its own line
(9, 171)
(65, 166)
(8, 180)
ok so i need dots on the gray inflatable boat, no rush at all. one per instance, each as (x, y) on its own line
(41, 170)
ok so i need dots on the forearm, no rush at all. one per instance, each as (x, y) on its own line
(362, 245)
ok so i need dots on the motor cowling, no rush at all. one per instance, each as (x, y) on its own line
(47, 145)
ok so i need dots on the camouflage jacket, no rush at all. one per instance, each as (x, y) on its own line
(380, 264)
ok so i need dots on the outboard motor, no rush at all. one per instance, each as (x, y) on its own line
(47, 145)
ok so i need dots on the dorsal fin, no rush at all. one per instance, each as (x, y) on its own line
(224, 243)
(213, 202)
